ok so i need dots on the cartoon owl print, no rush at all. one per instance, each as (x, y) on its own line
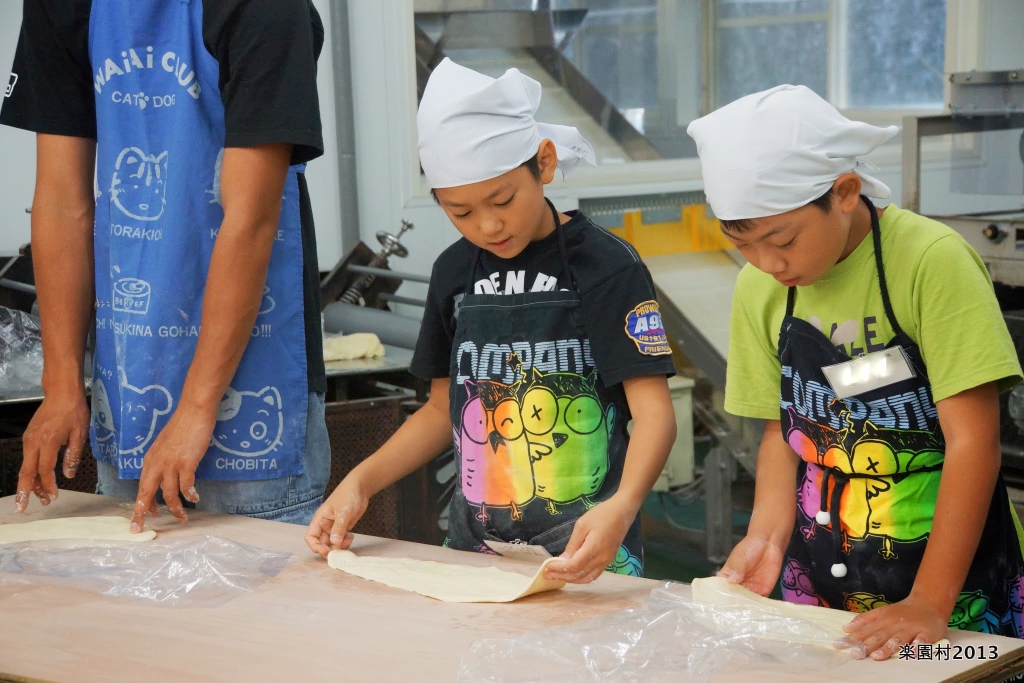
(971, 613)
(569, 433)
(797, 586)
(493, 450)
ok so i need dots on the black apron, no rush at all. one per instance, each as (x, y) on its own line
(539, 439)
(868, 482)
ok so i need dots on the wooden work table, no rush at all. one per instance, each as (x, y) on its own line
(311, 623)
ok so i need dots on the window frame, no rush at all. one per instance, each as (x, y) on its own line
(962, 43)
(384, 52)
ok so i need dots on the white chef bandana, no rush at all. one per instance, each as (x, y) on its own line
(778, 150)
(473, 127)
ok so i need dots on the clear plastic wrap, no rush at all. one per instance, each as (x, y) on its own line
(194, 571)
(670, 637)
(21, 352)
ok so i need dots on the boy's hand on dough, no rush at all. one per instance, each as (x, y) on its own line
(331, 525)
(755, 563)
(885, 629)
(595, 540)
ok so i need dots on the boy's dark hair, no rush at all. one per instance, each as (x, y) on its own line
(532, 165)
(824, 202)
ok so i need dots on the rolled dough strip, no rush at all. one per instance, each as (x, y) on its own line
(807, 622)
(445, 582)
(73, 528)
(717, 590)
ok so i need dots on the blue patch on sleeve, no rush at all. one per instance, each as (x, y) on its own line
(645, 327)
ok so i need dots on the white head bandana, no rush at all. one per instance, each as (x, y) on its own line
(473, 127)
(778, 150)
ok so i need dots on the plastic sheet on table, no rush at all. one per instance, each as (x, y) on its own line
(21, 351)
(670, 637)
(195, 571)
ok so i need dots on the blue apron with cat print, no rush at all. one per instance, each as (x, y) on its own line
(160, 135)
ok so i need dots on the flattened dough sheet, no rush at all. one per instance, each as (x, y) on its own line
(107, 528)
(442, 581)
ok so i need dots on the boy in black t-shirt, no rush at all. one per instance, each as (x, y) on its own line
(542, 339)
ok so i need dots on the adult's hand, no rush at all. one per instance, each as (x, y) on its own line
(62, 420)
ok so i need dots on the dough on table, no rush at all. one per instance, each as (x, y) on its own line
(717, 590)
(808, 621)
(445, 582)
(73, 528)
(352, 346)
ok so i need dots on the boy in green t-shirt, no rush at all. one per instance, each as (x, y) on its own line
(871, 343)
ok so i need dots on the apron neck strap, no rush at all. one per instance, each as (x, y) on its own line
(563, 253)
(876, 238)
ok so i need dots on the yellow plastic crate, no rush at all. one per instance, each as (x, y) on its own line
(694, 232)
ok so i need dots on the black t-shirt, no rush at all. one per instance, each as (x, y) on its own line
(266, 51)
(610, 278)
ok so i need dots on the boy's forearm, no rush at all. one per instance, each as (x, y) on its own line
(969, 476)
(654, 432)
(419, 440)
(649, 447)
(775, 489)
(961, 509)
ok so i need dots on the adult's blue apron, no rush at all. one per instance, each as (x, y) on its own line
(160, 131)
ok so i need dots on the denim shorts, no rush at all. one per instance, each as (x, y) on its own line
(288, 499)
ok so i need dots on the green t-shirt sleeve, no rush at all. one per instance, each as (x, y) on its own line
(961, 331)
(753, 374)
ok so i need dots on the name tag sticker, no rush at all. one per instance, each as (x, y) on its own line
(518, 551)
(868, 372)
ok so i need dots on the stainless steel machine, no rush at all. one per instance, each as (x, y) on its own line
(986, 122)
(608, 68)
(981, 103)
(357, 293)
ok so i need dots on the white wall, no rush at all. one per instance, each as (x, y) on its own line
(17, 154)
(322, 173)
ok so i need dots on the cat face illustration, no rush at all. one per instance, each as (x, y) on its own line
(249, 422)
(102, 417)
(140, 410)
(139, 183)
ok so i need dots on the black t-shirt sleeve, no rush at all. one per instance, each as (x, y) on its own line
(432, 357)
(620, 313)
(51, 89)
(267, 52)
